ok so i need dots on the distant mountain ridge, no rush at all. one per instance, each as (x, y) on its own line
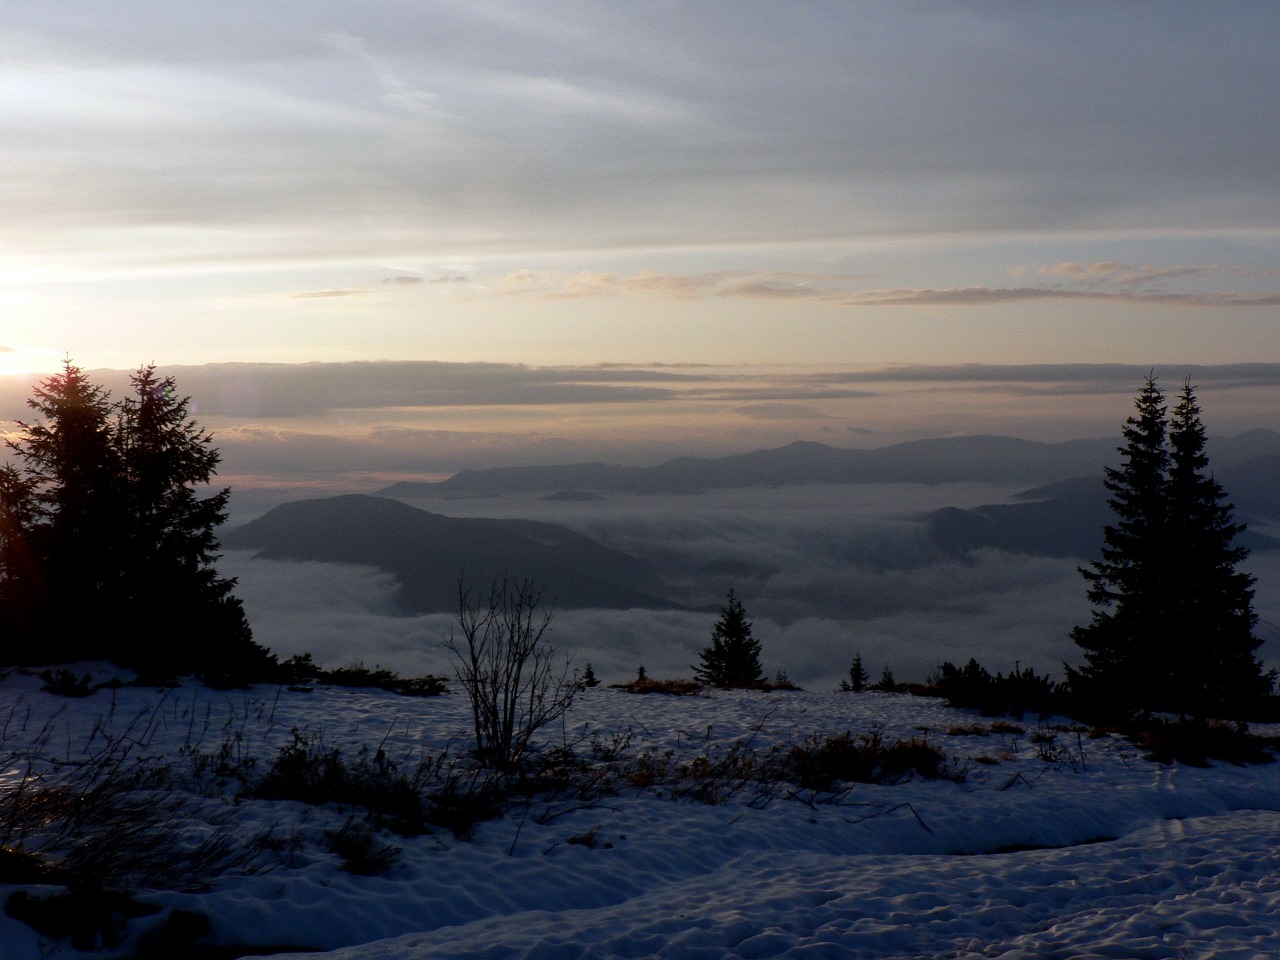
(989, 459)
(428, 553)
(1065, 519)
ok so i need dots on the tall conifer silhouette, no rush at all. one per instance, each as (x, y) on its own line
(1211, 662)
(1173, 618)
(107, 536)
(1126, 584)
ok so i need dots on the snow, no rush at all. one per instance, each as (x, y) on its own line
(1078, 849)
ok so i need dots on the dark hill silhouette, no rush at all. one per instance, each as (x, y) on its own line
(573, 496)
(427, 552)
(1065, 519)
(946, 460)
(1254, 486)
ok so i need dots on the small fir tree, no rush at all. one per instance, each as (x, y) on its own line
(857, 679)
(887, 682)
(732, 659)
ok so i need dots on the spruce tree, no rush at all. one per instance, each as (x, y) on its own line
(1172, 626)
(1127, 584)
(858, 678)
(72, 472)
(1211, 643)
(887, 682)
(169, 542)
(732, 659)
(106, 537)
(23, 592)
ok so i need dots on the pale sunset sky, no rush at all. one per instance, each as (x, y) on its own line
(554, 230)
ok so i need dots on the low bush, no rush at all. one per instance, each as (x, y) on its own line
(63, 683)
(92, 919)
(679, 688)
(820, 763)
(1196, 742)
(307, 770)
(362, 852)
(302, 669)
(21, 867)
(780, 681)
(973, 686)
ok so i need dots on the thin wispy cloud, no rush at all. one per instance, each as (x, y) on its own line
(980, 296)
(1124, 274)
(328, 294)
(779, 411)
(842, 290)
(396, 91)
(1249, 272)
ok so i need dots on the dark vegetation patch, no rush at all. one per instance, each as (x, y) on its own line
(679, 688)
(301, 670)
(1196, 742)
(973, 687)
(1029, 847)
(682, 687)
(362, 851)
(821, 763)
(308, 770)
(91, 919)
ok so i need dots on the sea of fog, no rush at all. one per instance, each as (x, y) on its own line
(825, 572)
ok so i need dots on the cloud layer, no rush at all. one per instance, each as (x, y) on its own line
(821, 583)
(357, 426)
(850, 291)
(556, 125)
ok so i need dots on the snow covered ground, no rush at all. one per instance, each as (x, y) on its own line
(1067, 848)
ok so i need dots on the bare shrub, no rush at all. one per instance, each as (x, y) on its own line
(509, 670)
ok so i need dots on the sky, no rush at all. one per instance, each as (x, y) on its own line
(843, 184)
(377, 239)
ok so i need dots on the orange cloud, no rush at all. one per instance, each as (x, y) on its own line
(1119, 273)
